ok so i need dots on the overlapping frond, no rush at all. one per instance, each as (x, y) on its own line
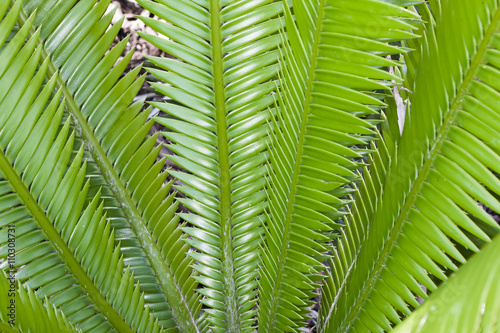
(27, 311)
(218, 125)
(467, 303)
(277, 112)
(332, 66)
(356, 225)
(52, 240)
(124, 161)
(426, 220)
(412, 59)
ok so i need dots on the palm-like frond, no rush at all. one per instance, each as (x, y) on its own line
(277, 112)
(467, 303)
(229, 53)
(319, 136)
(427, 212)
(354, 234)
(114, 132)
(61, 244)
(27, 311)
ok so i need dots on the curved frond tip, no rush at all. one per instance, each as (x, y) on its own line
(467, 303)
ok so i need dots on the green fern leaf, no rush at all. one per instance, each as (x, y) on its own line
(27, 311)
(319, 137)
(59, 243)
(114, 131)
(229, 53)
(427, 218)
(467, 302)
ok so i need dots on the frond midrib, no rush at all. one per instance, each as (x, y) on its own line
(300, 148)
(60, 245)
(179, 305)
(230, 297)
(410, 199)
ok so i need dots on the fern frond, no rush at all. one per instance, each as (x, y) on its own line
(114, 132)
(60, 243)
(357, 223)
(219, 127)
(427, 220)
(467, 303)
(23, 308)
(319, 141)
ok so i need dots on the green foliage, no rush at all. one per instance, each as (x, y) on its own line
(299, 184)
(467, 302)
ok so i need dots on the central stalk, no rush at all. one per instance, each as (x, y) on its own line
(232, 317)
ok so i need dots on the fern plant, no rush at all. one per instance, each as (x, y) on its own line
(301, 189)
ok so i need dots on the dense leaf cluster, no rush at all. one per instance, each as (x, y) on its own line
(300, 185)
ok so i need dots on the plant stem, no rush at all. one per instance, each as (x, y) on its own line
(230, 297)
(296, 170)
